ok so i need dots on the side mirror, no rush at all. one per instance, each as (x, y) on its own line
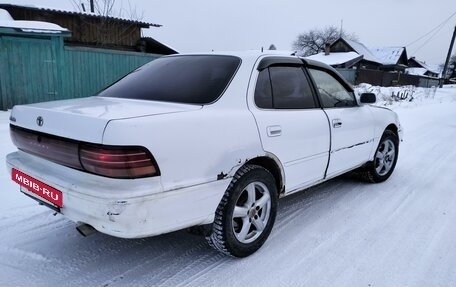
(367, 98)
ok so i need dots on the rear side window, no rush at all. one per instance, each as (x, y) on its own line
(283, 88)
(263, 91)
(179, 79)
(332, 93)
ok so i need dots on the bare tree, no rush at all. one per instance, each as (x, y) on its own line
(107, 8)
(313, 41)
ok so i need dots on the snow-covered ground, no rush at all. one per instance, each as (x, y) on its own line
(342, 233)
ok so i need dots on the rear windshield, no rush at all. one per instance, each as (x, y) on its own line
(180, 79)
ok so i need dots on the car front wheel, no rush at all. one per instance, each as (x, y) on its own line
(381, 168)
(246, 213)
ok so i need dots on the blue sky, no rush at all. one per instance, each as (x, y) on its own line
(202, 25)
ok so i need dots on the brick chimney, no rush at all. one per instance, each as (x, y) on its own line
(327, 48)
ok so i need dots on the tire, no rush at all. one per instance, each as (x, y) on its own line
(385, 159)
(246, 213)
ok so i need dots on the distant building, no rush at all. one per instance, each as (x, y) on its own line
(384, 58)
(90, 30)
(384, 66)
(48, 54)
(345, 60)
(420, 68)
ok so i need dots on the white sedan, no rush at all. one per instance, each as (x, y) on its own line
(210, 140)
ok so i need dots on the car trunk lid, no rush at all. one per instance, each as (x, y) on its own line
(85, 119)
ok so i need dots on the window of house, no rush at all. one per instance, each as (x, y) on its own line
(332, 93)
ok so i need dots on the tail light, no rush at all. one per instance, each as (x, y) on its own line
(52, 148)
(110, 161)
(117, 162)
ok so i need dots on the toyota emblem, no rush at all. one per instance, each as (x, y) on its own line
(39, 121)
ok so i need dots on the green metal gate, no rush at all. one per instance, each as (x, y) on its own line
(28, 70)
(39, 68)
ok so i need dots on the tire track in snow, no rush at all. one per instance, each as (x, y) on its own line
(343, 232)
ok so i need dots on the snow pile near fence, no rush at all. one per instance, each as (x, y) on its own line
(407, 95)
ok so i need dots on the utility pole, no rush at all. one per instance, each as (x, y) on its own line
(92, 7)
(447, 59)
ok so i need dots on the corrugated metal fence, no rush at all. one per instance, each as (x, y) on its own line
(36, 69)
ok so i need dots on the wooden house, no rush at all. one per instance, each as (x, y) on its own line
(417, 67)
(384, 58)
(91, 30)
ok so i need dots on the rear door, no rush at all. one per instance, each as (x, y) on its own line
(291, 125)
(352, 131)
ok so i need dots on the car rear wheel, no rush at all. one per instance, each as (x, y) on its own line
(381, 168)
(246, 214)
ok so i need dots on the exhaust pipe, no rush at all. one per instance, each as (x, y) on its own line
(85, 229)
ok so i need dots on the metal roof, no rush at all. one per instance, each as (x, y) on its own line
(388, 55)
(84, 14)
(362, 50)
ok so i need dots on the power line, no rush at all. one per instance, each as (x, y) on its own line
(428, 40)
(438, 27)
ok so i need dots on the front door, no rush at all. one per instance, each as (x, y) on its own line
(351, 125)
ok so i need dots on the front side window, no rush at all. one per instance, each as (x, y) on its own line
(332, 93)
(199, 79)
(283, 88)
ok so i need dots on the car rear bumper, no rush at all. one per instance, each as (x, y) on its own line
(123, 207)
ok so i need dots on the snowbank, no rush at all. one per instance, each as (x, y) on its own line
(407, 95)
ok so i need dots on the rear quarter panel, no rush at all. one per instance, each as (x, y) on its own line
(191, 147)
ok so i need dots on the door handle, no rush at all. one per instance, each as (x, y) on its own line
(337, 123)
(274, 131)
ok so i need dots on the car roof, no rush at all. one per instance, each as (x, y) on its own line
(256, 54)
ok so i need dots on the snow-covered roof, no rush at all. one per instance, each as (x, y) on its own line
(89, 14)
(362, 50)
(335, 58)
(388, 55)
(33, 26)
(426, 66)
(416, 71)
(6, 21)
